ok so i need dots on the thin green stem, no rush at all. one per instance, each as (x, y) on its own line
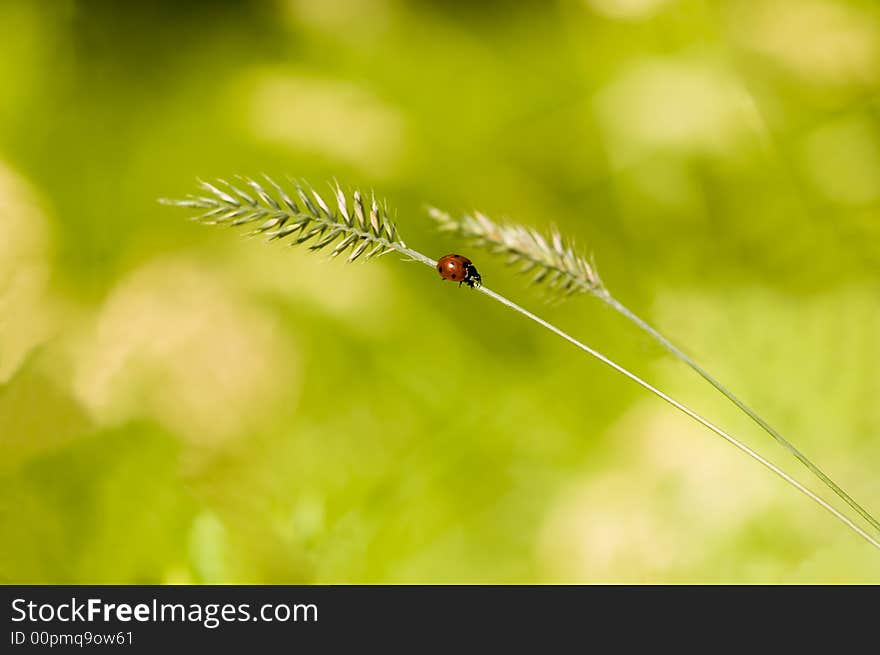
(417, 256)
(612, 302)
(358, 228)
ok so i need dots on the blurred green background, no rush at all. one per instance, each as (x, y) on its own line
(180, 404)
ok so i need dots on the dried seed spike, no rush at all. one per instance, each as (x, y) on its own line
(359, 211)
(294, 226)
(344, 244)
(557, 241)
(191, 202)
(279, 217)
(212, 213)
(282, 232)
(342, 203)
(231, 212)
(387, 223)
(310, 206)
(261, 192)
(286, 199)
(540, 241)
(594, 273)
(527, 266)
(321, 203)
(374, 216)
(253, 216)
(270, 223)
(241, 194)
(315, 231)
(444, 220)
(225, 197)
(552, 259)
(555, 276)
(374, 251)
(327, 240)
(358, 251)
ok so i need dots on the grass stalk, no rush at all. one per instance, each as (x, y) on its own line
(558, 266)
(360, 231)
(748, 411)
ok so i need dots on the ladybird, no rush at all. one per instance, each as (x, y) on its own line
(459, 269)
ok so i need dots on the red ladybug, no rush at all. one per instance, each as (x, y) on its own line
(459, 269)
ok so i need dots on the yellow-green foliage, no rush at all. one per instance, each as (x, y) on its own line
(179, 404)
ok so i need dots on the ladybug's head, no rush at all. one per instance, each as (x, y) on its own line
(472, 277)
